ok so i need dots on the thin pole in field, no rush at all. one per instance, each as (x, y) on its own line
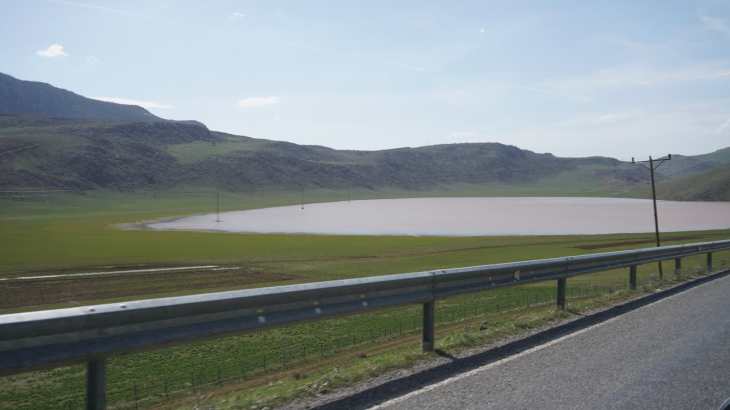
(217, 207)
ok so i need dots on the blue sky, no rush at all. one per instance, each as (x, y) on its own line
(573, 78)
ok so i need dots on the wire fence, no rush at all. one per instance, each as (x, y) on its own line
(290, 357)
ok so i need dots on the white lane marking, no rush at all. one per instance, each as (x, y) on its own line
(509, 359)
(109, 273)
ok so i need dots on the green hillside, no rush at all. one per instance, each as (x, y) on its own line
(710, 185)
(96, 154)
(682, 166)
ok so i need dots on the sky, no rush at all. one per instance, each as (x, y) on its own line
(573, 78)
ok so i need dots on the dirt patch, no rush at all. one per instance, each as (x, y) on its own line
(631, 243)
(79, 289)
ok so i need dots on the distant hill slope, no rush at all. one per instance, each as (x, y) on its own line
(30, 97)
(710, 185)
(112, 154)
(682, 166)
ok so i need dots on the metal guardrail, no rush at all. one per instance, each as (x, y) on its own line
(91, 334)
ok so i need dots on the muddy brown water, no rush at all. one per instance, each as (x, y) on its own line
(466, 217)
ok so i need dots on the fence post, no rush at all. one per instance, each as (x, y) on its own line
(96, 385)
(709, 260)
(678, 267)
(166, 395)
(136, 396)
(429, 328)
(561, 294)
(632, 277)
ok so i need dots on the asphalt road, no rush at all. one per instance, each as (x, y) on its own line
(669, 351)
(671, 354)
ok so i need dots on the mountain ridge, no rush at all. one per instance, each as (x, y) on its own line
(87, 154)
(84, 144)
(37, 98)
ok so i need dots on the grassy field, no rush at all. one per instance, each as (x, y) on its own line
(64, 232)
(72, 234)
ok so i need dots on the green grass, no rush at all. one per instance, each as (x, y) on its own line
(192, 152)
(306, 345)
(710, 185)
(458, 337)
(78, 233)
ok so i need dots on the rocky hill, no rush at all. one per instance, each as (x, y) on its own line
(53, 138)
(86, 154)
(30, 97)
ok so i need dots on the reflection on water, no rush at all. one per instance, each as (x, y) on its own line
(467, 217)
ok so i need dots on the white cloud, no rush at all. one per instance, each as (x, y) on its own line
(481, 31)
(639, 76)
(714, 23)
(277, 118)
(143, 104)
(724, 127)
(608, 118)
(720, 73)
(459, 134)
(55, 50)
(258, 101)
(92, 60)
(235, 16)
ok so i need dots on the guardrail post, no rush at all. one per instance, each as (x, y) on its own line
(632, 277)
(677, 266)
(96, 385)
(561, 293)
(429, 326)
(709, 260)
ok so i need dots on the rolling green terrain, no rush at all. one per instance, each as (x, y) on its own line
(681, 165)
(54, 139)
(103, 158)
(92, 154)
(710, 185)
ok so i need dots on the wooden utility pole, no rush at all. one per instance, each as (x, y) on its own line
(654, 164)
(217, 207)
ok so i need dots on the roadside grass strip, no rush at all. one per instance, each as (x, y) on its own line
(269, 368)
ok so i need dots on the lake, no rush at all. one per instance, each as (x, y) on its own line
(465, 217)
